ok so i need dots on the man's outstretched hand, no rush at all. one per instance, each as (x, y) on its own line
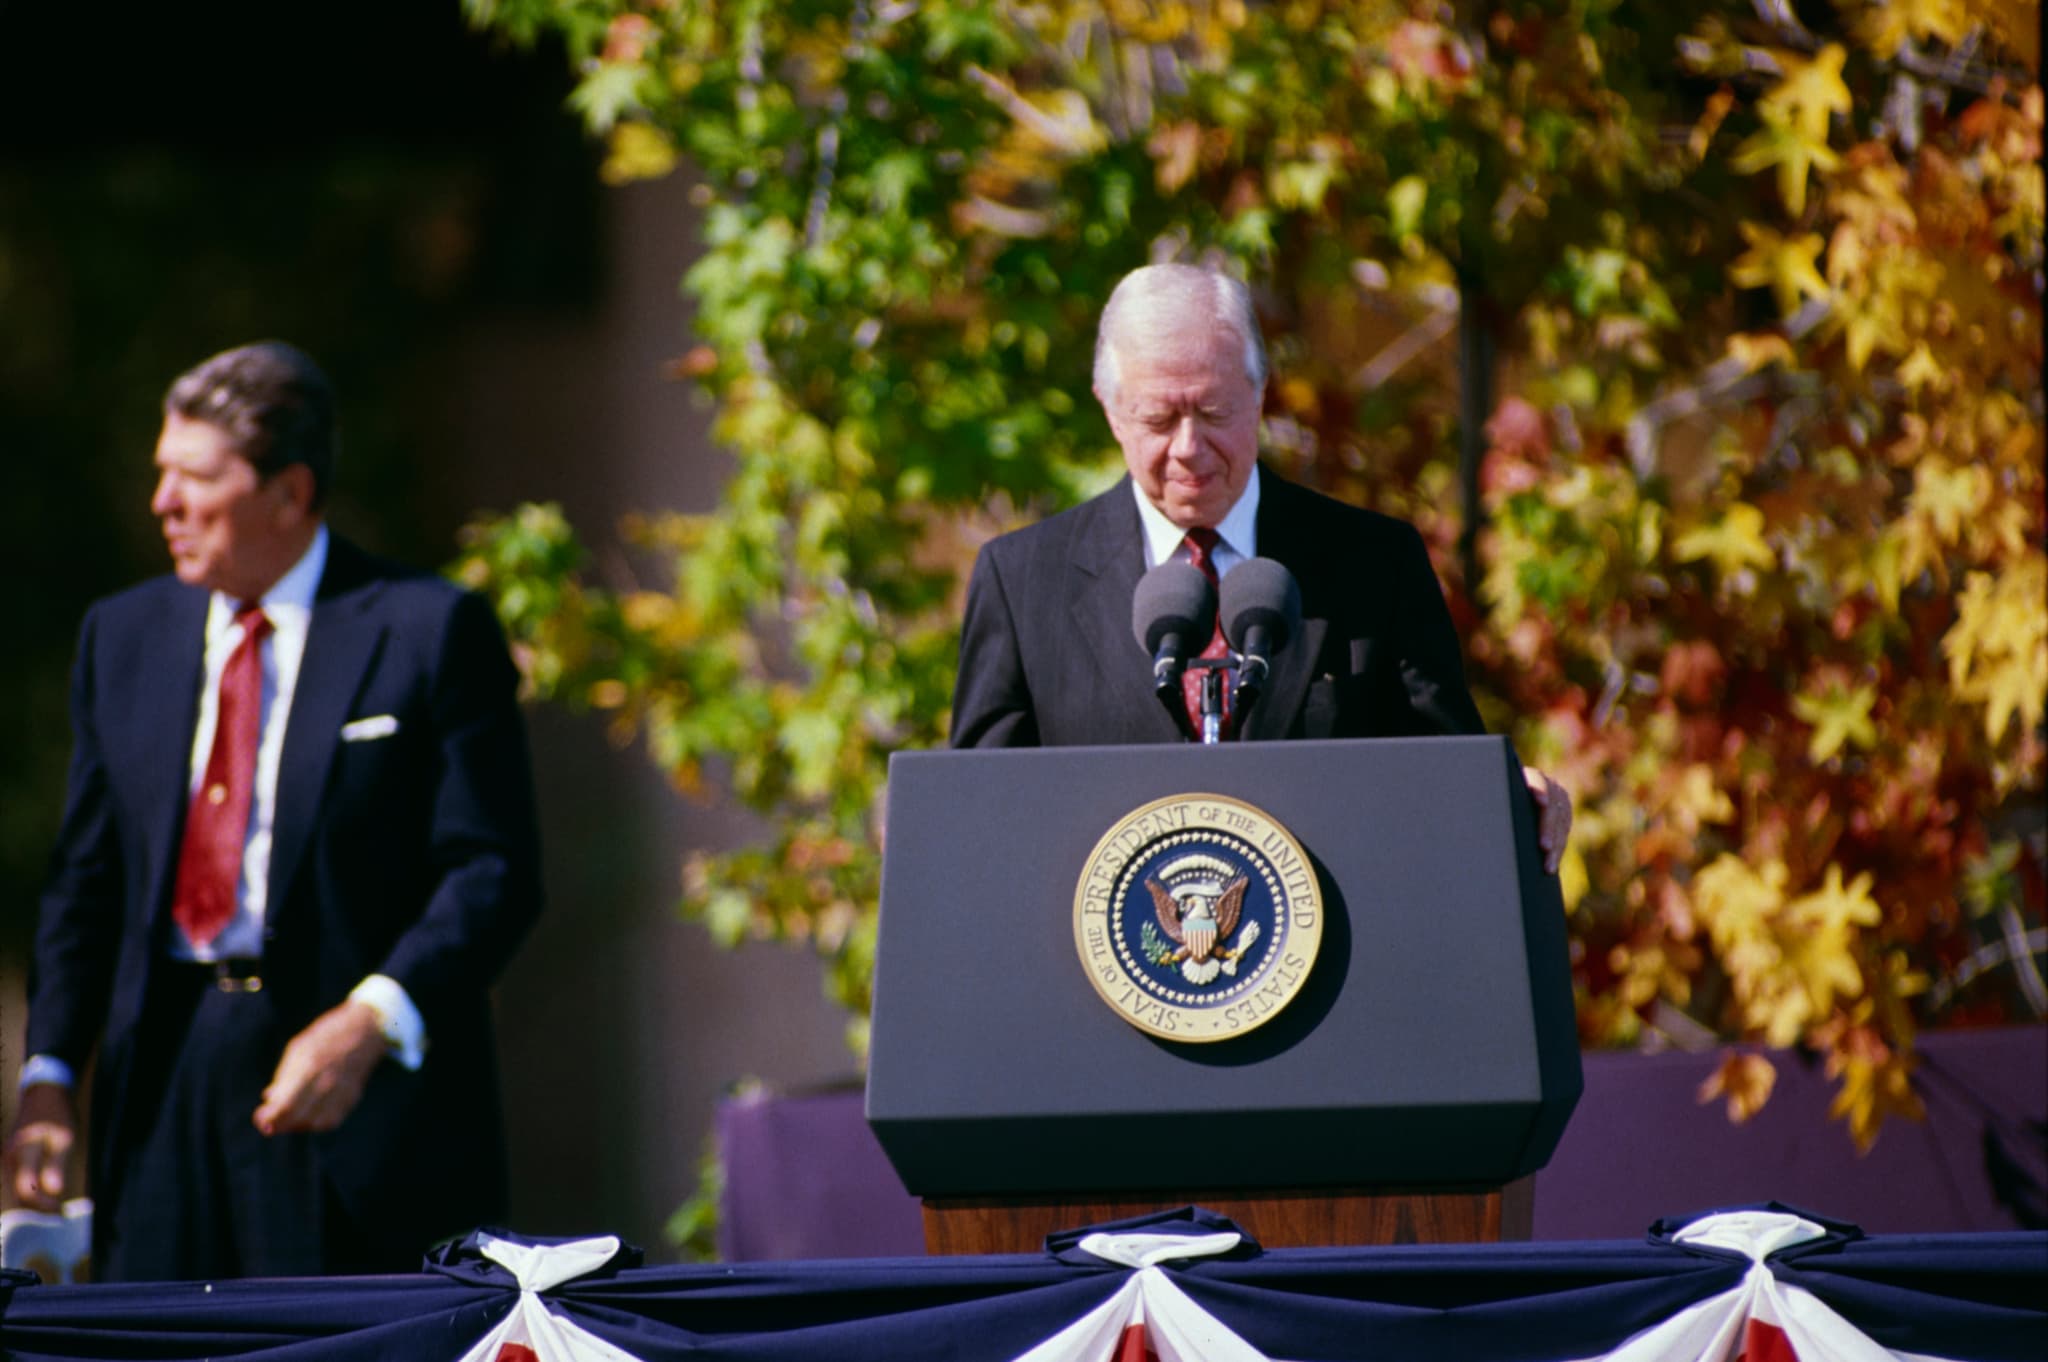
(321, 1075)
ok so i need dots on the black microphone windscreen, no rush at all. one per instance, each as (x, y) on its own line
(1260, 593)
(1173, 598)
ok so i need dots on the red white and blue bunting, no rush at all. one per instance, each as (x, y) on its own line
(1765, 1284)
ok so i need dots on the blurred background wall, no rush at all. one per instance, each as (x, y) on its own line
(411, 205)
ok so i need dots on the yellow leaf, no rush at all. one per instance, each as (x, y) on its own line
(1572, 879)
(1776, 1004)
(1809, 93)
(1735, 542)
(1755, 350)
(1786, 265)
(1869, 321)
(1837, 907)
(1151, 23)
(1874, 1086)
(1793, 153)
(1886, 26)
(1921, 370)
(1947, 497)
(1736, 901)
(1697, 799)
(1404, 204)
(638, 151)
(1838, 717)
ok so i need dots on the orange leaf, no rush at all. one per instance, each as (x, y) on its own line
(1745, 1080)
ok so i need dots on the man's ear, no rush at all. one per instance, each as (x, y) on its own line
(293, 486)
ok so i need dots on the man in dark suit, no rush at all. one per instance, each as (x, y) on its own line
(1046, 652)
(298, 846)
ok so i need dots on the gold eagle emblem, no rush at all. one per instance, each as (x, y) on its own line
(1199, 914)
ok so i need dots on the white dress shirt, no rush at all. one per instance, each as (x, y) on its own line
(288, 606)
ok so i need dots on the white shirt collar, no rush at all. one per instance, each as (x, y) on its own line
(1239, 530)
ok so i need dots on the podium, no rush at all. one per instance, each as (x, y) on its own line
(1415, 1076)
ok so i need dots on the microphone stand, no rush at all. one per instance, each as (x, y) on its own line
(1211, 706)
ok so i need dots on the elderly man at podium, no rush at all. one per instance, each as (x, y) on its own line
(1046, 655)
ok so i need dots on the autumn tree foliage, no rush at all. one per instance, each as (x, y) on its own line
(1703, 346)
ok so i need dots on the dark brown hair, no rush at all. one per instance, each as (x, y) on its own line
(272, 400)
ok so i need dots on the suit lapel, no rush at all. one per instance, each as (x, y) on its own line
(165, 699)
(343, 639)
(1108, 558)
(1282, 539)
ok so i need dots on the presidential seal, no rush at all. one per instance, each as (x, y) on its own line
(1197, 917)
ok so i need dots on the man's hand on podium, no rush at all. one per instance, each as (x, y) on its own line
(1553, 816)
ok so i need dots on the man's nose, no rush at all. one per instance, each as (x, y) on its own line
(165, 499)
(1184, 443)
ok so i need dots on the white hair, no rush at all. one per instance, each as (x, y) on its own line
(1153, 294)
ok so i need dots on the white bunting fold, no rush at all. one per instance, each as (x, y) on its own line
(532, 1331)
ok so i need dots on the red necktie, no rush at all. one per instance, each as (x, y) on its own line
(1201, 546)
(217, 824)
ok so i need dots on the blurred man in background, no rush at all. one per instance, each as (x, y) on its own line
(298, 846)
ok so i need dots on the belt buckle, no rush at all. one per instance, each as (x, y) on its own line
(235, 983)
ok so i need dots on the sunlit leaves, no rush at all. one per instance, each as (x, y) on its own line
(1796, 112)
(1788, 958)
(1997, 649)
(1825, 685)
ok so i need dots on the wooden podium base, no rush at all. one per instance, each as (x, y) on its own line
(1315, 1218)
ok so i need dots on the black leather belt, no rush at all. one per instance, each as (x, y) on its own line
(239, 975)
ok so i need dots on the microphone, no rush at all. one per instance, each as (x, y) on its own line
(1261, 611)
(1173, 613)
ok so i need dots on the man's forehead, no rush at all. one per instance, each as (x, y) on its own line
(189, 443)
(1149, 390)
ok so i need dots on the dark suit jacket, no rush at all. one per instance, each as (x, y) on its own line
(413, 855)
(1048, 658)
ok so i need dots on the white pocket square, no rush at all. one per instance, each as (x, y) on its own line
(363, 730)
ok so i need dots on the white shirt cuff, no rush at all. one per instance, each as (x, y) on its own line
(46, 1069)
(405, 1035)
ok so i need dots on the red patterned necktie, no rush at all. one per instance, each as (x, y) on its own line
(217, 824)
(1201, 546)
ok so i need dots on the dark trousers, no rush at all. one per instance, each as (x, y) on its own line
(201, 1193)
